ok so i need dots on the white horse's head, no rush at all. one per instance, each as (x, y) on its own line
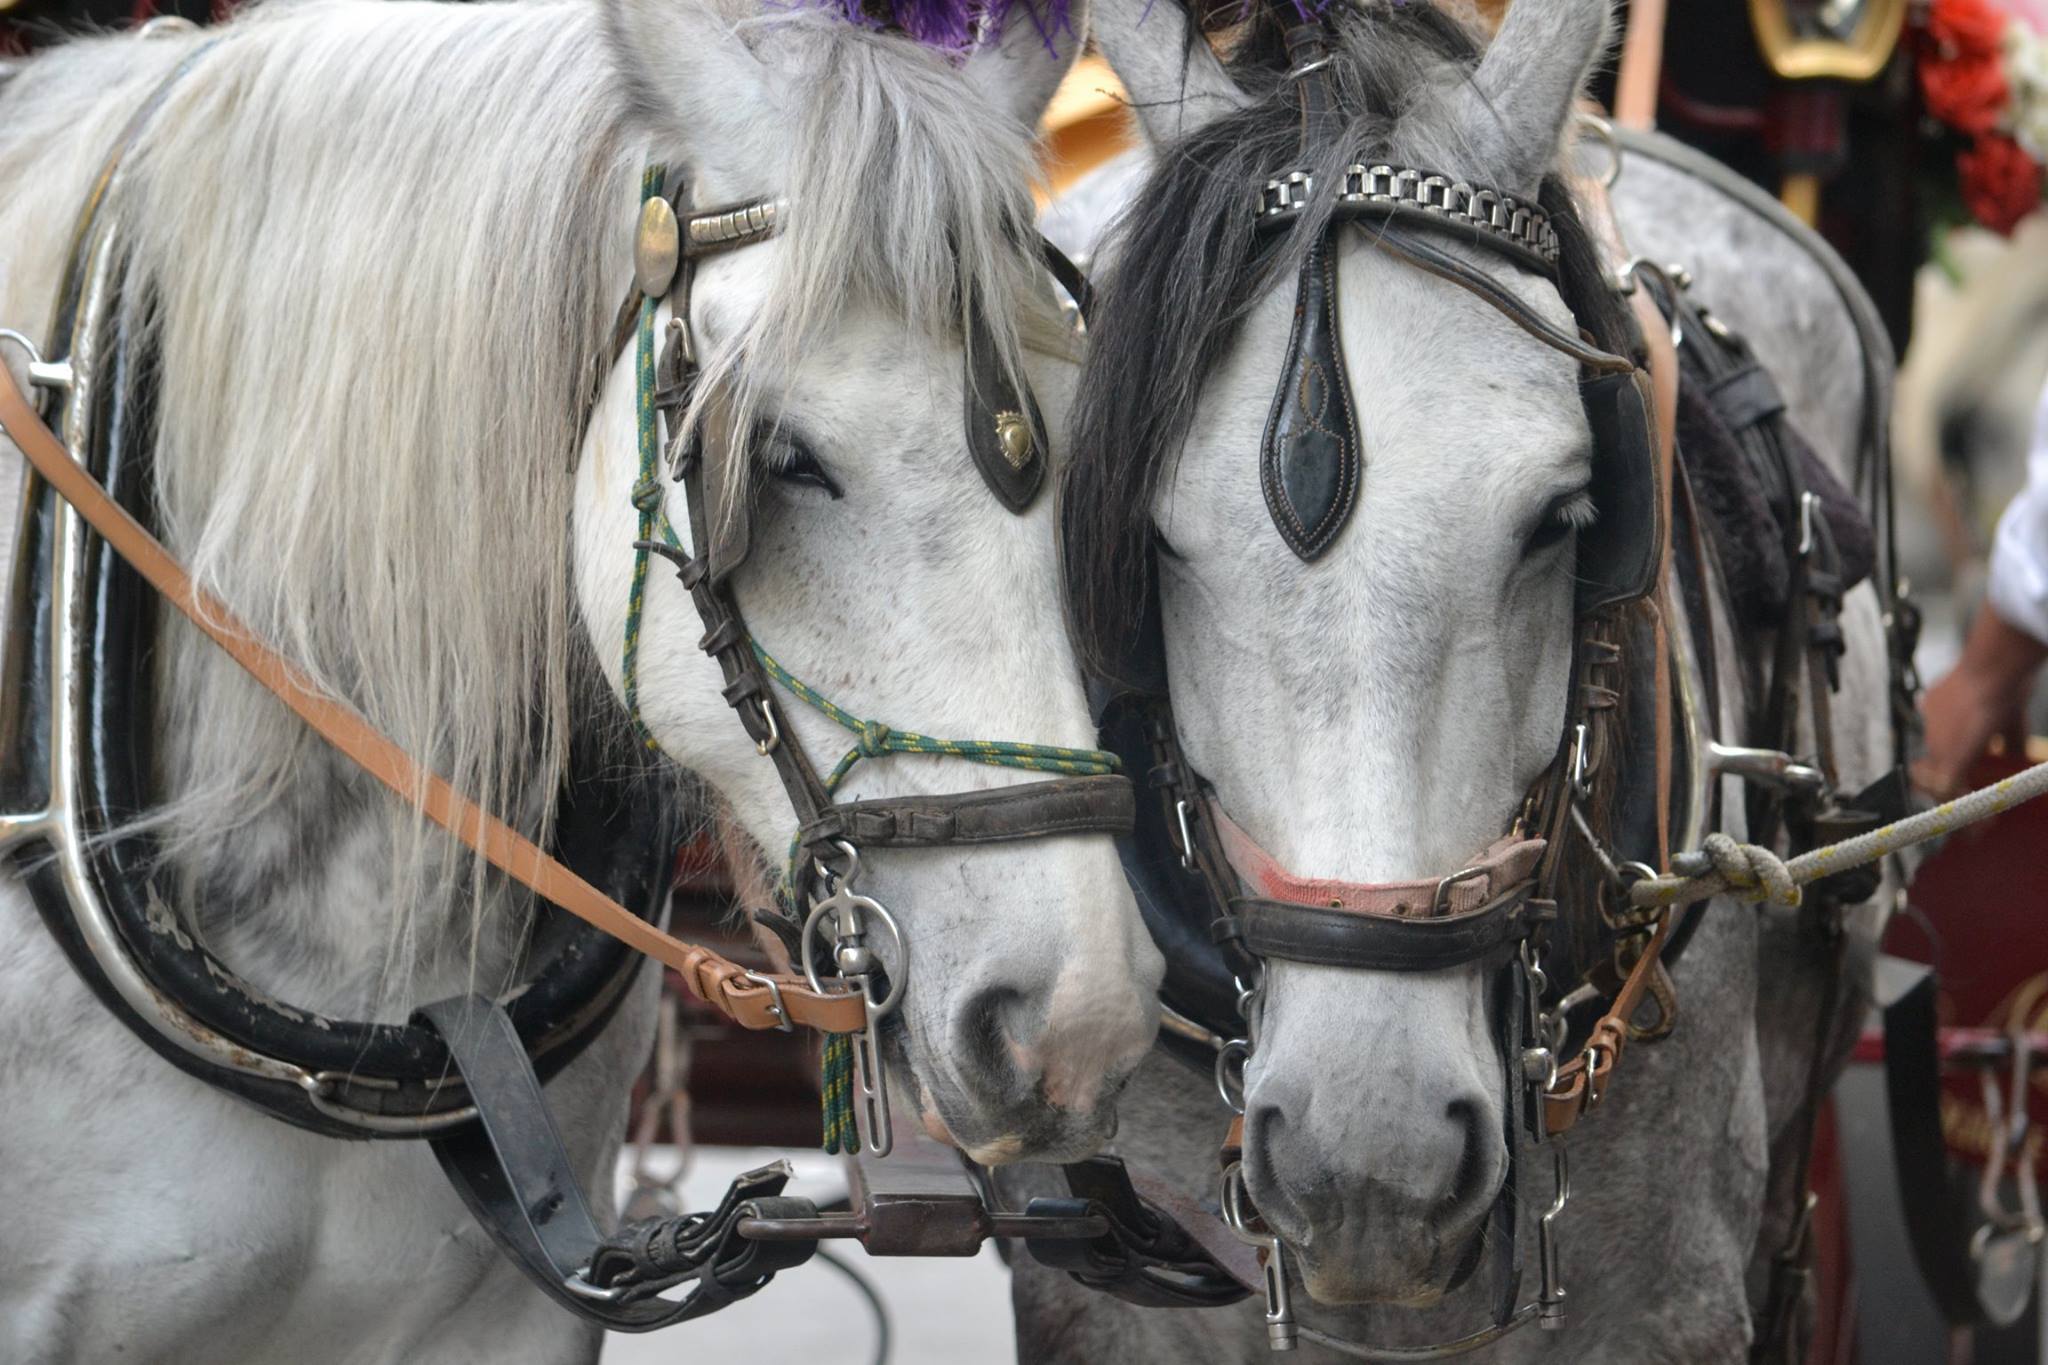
(882, 571)
(1376, 713)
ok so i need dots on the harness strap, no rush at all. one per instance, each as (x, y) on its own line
(752, 1000)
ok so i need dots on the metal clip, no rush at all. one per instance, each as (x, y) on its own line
(1187, 838)
(855, 962)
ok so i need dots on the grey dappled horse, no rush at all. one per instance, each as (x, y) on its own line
(1378, 713)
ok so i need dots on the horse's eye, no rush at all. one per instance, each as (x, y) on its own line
(1562, 515)
(792, 461)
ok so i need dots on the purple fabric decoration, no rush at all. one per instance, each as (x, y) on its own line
(954, 25)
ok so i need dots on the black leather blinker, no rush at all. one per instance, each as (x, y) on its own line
(1311, 459)
(1620, 553)
(1005, 432)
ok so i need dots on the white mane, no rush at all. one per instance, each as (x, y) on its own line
(385, 246)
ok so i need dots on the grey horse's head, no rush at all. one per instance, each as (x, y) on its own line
(1375, 713)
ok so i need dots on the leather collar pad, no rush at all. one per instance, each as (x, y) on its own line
(1309, 462)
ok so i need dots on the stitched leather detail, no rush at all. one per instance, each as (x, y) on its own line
(1309, 461)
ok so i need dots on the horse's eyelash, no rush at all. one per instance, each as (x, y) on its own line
(1578, 512)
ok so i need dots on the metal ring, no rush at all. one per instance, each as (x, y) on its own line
(1604, 130)
(883, 1008)
(1238, 1215)
(1309, 67)
(1229, 1087)
(35, 355)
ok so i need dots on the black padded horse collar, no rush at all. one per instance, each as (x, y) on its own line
(333, 1076)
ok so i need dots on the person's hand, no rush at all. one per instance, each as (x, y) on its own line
(1985, 695)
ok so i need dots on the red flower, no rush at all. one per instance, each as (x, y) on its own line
(2001, 183)
(1966, 28)
(1967, 93)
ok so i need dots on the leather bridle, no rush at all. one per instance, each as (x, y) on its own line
(78, 719)
(1499, 911)
(825, 857)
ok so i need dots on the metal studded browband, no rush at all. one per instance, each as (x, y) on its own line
(1404, 191)
(705, 234)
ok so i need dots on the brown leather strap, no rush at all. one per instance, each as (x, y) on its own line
(1642, 66)
(1663, 367)
(1583, 1082)
(1030, 810)
(750, 1001)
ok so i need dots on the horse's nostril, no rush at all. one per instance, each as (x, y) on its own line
(1475, 1127)
(1265, 1131)
(987, 1035)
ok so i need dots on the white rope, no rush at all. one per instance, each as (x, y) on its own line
(1754, 872)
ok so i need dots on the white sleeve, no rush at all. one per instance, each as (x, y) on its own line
(2019, 556)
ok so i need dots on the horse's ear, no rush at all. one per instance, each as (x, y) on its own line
(690, 72)
(1515, 109)
(1022, 68)
(1175, 80)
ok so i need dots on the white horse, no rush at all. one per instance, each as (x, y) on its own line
(1378, 713)
(385, 245)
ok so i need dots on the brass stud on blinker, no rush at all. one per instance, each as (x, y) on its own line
(1013, 434)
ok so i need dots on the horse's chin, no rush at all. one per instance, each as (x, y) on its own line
(1336, 1284)
(1348, 1272)
(1050, 1135)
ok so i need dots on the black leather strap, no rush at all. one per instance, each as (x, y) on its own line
(1310, 461)
(1340, 938)
(512, 1170)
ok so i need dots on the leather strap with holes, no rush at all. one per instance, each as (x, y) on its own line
(752, 1000)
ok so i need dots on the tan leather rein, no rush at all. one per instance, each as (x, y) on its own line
(755, 1000)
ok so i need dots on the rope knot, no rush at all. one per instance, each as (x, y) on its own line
(874, 738)
(648, 496)
(1751, 870)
